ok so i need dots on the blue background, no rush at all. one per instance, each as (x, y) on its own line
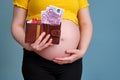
(102, 60)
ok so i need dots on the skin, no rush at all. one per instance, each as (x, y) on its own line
(85, 23)
(86, 28)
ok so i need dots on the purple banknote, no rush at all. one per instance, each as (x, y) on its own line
(52, 15)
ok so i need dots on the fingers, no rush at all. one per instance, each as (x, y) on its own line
(40, 38)
(65, 60)
(49, 43)
(45, 40)
(74, 55)
(70, 51)
(41, 43)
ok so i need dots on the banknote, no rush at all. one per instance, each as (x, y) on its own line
(55, 10)
(52, 15)
(44, 17)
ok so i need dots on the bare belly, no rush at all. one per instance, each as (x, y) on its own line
(70, 36)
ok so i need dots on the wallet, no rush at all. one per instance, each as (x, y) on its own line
(33, 31)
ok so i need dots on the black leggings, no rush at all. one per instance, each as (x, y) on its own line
(37, 68)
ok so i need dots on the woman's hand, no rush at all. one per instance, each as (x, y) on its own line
(17, 29)
(74, 55)
(41, 43)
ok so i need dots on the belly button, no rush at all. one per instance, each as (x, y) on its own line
(61, 39)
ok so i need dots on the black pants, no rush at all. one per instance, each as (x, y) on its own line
(37, 68)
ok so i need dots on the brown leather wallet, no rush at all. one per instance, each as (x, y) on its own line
(33, 30)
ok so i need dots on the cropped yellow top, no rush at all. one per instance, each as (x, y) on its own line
(35, 7)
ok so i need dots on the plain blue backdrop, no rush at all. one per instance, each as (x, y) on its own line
(102, 60)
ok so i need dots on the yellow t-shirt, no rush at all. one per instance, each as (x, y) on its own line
(35, 7)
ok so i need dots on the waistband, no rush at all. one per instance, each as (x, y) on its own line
(32, 55)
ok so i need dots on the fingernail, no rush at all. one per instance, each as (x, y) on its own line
(48, 35)
(44, 32)
(51, 39)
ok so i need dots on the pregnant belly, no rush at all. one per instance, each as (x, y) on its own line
(69, 39)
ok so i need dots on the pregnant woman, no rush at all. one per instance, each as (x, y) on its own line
(43, 60)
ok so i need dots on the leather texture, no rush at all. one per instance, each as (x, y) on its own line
(53, 30)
